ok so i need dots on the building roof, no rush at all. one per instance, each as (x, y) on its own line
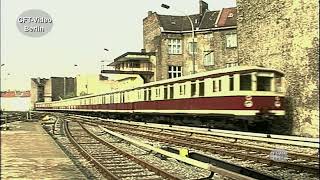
(137, 56)
(178, 23)
(228, 17)
(207, 21)
(15, 94)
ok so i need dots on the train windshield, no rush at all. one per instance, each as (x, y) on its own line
(245, 82)
(263, 83)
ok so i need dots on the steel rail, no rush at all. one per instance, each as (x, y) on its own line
(193, 144)
(271, 138)
(104, 171)
(193, 162)
(143, 163)
(229, 144)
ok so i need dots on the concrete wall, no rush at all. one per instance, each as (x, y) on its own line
(34, 92)
(91, 84)
(285, 35)
(126, 81)
(37, 90)
(57, 88)
(70, 87)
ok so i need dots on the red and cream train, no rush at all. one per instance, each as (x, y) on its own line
(242, 96)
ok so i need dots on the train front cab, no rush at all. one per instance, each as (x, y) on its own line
(271, 114)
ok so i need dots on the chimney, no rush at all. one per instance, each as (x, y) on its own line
(203, 7)
(149, 13)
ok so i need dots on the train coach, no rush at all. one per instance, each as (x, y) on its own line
(242, 97)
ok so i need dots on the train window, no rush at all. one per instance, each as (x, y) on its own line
(165, 93)
(182, 89)
(214, 87)
(193, 88)
(149, 94)
(231, 87)
(278, 84)
(157, 92)
(263, 83)
(245, 82)
(201, 89)
(145, 95)
(171, 92)
(220, 85)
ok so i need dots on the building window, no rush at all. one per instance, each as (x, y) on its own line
(231, 40)
(174, 71)
(208, 59)
(194, 47)
(174, 46)
(135, 65)
(231, 64)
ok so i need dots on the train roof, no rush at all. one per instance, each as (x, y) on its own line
(235, 69)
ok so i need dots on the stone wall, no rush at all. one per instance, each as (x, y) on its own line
(285, 35)
(214, 40)
(151, 30)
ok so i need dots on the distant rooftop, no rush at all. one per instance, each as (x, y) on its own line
(15, 94)
(227, 17)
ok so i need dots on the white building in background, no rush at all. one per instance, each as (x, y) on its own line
(98, 83)
(15, 101)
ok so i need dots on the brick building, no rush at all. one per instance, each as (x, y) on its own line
(170, 38)
(285, 35)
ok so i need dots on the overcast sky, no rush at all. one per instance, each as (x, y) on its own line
(81, 30)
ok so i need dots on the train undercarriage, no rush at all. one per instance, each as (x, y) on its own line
(261, 123)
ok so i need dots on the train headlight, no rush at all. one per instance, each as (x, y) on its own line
(248, 98)
(277, 98)
(248, 104)
(277, 103)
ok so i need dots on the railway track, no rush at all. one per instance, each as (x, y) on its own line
(10, 117)
(245, 152)
(300, 163)
(111, 161)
